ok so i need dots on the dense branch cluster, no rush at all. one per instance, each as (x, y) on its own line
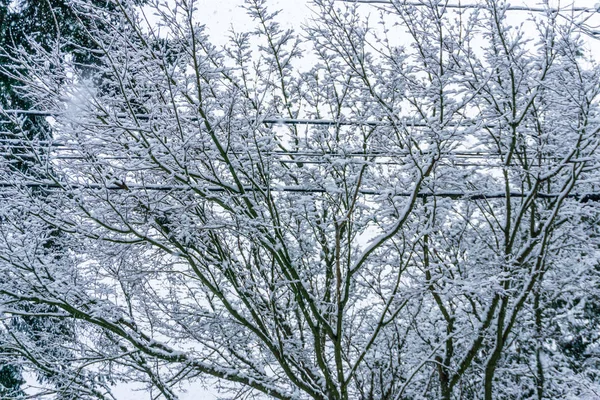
(364, 281)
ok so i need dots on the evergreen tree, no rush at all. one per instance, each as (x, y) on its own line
(26, 24)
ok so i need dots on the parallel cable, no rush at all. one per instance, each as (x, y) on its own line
(475, 6)
(584, 197)
(268, 120)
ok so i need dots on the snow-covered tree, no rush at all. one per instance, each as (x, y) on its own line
(25, 26)
(393, 211)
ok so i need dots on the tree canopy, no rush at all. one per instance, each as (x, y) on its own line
(400, 210)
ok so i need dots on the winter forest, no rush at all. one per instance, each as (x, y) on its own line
(390, 200)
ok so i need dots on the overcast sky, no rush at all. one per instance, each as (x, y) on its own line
(219, 16)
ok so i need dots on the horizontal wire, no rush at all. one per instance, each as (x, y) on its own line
(325, 154)
(299, 161)
(476, 6)
(265, 120)
(562, 12)
(60, 146)
(296, 189)
(472, 154)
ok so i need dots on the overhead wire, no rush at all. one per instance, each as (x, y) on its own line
(297, 157)
(456, 195)
(476, 154)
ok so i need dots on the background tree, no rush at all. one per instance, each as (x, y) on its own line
(394, 221)
(27, 27)
(11, 31)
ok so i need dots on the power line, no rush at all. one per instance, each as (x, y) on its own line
(57, 151)
(299, 162)
(295, 156)
(269, 120)
(26, 144)
(476, 6)
(562, 12)
(60, 146)
(456, 159)
(584, 197)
